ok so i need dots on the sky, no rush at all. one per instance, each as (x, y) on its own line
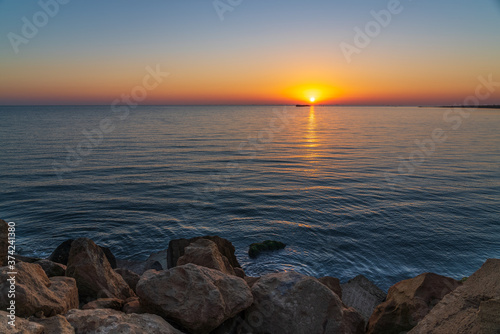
(408, 52)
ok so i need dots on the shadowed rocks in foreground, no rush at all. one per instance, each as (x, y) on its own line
(207, 292)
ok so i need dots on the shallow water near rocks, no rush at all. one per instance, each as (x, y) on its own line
(314, 178)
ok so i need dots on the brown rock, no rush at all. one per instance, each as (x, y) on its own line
(176, 249)
(289, 302)
(353, 321)
(133, 305)
(36, 293)
(408, 302)
(61, 254)
(129, 276)
(52, 268)
(197, 298)
(4, 242)
(205, 253)
(239, 272)
(55, 325)
(111, 321)
(111, 303)
(93, 273)
(22, 326)
(251, 280)
(362, 295)
(333, 284)
(471, 308)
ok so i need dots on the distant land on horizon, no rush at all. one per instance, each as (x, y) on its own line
(491, 106)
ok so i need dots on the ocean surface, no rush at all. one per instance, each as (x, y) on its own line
(387, 192)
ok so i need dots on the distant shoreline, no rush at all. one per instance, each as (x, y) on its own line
(476, 107)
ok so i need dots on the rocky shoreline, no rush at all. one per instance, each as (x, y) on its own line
(197, 286)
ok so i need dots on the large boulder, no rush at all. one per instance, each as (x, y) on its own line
(205, 253)
(197, 298)
(111, 321)
(362, 295)
(4, 242)
(61, 253)
(176, 249)
(289, 302)
(55, 325)
(471, 308)
(36, 293)
(22, 326)
(52, 268)
(95, 278)
(408, 302)
(333, 284)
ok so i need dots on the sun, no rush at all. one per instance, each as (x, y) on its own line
(312, 99)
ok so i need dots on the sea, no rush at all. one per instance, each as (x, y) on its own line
(386, 192)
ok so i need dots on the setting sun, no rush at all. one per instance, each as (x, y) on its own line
(312, 99)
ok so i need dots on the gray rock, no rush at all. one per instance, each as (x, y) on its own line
(55, 325)
(289, 302)
(52, 268)
(362, 295)
(111, 321)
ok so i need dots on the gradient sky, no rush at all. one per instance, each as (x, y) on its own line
(263, 52)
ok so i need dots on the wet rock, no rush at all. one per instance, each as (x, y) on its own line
(95, 278)
(198, 298)
(362, 295)
(269, 245)
(408, 302)
(36, 293)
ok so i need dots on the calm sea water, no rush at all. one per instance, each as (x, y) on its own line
(335, 184)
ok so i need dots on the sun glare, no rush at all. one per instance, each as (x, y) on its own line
(312, 99)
